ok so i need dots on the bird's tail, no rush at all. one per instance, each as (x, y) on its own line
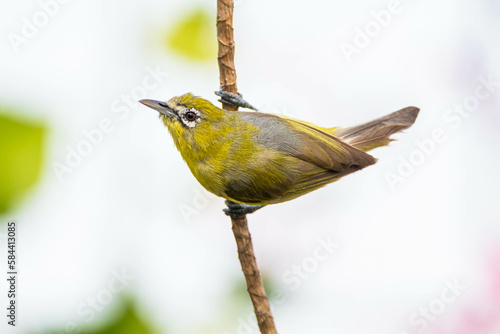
(376, 133)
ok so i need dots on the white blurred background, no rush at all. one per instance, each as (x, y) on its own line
(416, 236)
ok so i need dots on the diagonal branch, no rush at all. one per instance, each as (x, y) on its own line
(255, 287)
(227, 74)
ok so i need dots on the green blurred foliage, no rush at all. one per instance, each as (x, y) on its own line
(194, 36)
(238, 296)
(124, 321)
(21, 157)
(128, 323)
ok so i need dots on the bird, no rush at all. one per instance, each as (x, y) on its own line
(253, 159)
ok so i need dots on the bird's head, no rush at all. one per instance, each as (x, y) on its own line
(192, 121)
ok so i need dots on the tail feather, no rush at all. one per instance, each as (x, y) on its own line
(377, 133)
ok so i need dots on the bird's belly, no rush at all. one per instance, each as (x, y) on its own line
(259, 180)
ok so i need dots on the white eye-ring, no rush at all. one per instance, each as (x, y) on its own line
(190, 117)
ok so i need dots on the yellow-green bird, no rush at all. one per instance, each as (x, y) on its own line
(254, 159)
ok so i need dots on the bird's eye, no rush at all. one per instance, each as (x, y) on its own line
(190, 116)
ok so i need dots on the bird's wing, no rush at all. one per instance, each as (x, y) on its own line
(307, 142)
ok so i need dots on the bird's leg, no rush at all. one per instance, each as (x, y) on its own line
(235, 210)
(233, 99)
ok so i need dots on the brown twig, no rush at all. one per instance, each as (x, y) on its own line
(255, 287)
(227, 71)
(227, 74)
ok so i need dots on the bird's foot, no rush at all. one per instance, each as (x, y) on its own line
(233, 99)
(237, 210)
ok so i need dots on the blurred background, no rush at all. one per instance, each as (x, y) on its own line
(116, 236)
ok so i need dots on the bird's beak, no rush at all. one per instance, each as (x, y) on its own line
(161, 107)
